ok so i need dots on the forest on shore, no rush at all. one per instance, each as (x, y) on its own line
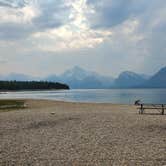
(31, 85)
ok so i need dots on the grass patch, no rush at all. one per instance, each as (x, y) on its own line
(7, 105)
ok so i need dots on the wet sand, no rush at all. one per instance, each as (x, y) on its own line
(61, 133)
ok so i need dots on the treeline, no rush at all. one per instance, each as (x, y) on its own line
(31, 85)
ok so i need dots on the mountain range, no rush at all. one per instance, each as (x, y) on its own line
(158, 80)
(78, 78)
(129, 79)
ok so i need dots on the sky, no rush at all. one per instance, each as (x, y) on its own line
(44, 37)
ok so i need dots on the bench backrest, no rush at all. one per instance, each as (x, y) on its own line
(152, 105)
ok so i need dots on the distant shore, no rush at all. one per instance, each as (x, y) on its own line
(68, 133)
(31, 85)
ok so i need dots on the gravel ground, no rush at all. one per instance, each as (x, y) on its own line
(57, 133)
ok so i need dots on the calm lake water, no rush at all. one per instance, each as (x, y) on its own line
(121, 96)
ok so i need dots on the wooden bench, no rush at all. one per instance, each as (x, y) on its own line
(159, 107)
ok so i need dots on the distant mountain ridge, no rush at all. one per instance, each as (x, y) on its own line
(129, 79)
(78, 78)
(158, 80)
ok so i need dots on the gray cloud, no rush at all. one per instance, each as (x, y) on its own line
(137, 41)
(50, 14)
(3, 61)
(146, 42)
(54, 13)
(13, 3)
(14, 31)
(109, 13)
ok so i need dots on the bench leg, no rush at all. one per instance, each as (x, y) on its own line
(162, 112)
(141, 111)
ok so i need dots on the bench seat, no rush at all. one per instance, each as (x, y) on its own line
(152, 106)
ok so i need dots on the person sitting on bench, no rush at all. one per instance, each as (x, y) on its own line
(137, 102)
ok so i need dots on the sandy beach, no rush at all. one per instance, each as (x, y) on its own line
(61, 133)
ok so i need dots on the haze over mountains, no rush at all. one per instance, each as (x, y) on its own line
(78, 78)
(158, 80)
(18, 77)
(129, 79)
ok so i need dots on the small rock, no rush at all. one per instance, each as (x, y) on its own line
(52, 113)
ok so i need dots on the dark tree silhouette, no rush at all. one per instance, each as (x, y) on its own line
(31, 85)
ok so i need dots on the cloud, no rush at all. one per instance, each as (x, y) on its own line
(23, 18)
(3, 61)
(75, 34)
(16, 20)
(108, 13)
(50, 25)
(137, 30)
(14, 3)
(53, 13)
(116, 34)
(65, 39)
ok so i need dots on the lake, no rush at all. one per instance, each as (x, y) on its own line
(117, 96)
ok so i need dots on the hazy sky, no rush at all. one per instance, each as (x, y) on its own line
(42, 37)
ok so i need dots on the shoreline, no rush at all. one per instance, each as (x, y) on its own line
(63, 101)
(126, 97)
